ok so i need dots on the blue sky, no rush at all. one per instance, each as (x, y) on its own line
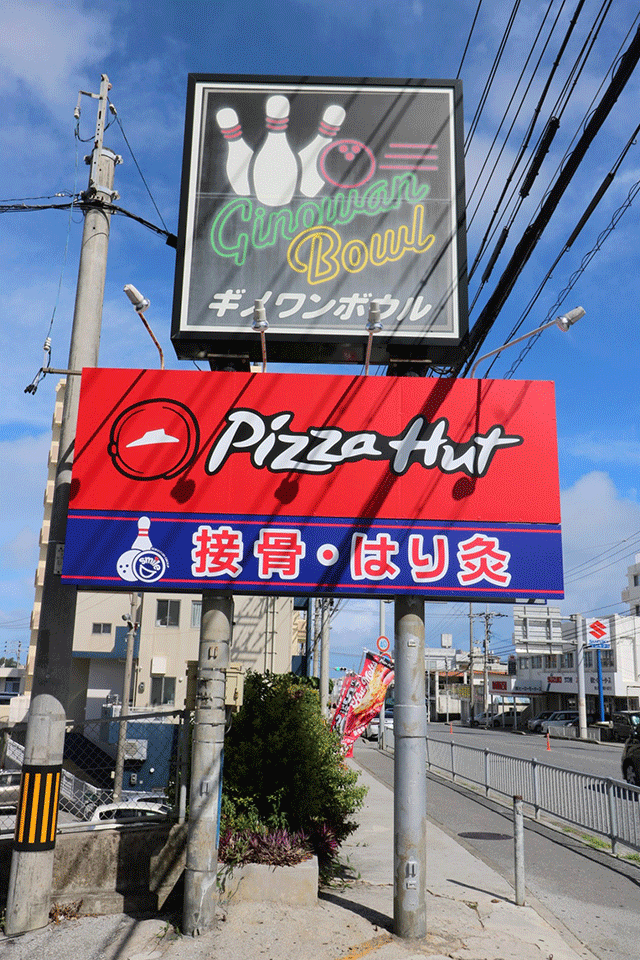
(49, 51)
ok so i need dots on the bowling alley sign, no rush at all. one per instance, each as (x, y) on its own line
(318, 197)
(310, 485)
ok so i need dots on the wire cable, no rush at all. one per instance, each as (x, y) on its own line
(119, 122)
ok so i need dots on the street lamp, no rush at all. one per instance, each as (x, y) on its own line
(564, 322)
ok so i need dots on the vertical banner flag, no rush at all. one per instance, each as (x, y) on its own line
(362, 700)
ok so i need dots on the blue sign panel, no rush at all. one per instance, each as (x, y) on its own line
(304, 555)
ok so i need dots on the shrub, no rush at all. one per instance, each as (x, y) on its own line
(283, 771)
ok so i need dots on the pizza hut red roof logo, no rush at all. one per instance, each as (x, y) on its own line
(154, 440)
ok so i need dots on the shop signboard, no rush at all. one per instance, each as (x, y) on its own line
(310, 485)
(318, 196)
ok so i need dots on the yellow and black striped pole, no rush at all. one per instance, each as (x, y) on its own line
(38, 808)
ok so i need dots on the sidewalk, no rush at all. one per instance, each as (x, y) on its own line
(471, 915)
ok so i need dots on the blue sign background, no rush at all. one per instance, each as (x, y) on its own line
(97, 541)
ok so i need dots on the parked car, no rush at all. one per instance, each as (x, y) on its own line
(630, 760)
(561, 718)
(535, 723)
(625, 724)
(482, 719)
(373, 727)
(130, 811)
(507, 718)
(9, 789)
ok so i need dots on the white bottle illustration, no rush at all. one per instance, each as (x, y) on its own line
(332, 120)
(124, 566)
(239, 153)
(275, 169)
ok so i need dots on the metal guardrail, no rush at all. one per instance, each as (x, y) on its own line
(600, 805)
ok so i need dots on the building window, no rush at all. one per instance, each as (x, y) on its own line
(168, 613)
(523, 663)
(567, 661)
(196, 613)
(163, 690)
(638, 610)
(551, 662)
(588, 660)
(607, 658)
(636, 579)
(536, 663)
(101, 628)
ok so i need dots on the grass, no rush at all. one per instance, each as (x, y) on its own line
(597, 843)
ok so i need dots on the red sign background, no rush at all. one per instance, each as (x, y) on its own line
(112, 467)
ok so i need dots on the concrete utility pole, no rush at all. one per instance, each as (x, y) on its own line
(30, 895)
(582, 696)
(200, 880)
(126, 686)
(471, 668)
(410, 771)
(325, 617)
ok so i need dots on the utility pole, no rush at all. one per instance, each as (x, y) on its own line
(325, 626)
(487, 617)
(29, 898)
(409, 772)
(201, 868)
(471, 700)
(132, 626)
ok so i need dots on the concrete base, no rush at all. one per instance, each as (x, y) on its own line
(297, 886)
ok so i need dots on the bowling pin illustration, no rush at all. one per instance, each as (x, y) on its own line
(332, 120)
(142, 541)
(275, 168)
(239, 153)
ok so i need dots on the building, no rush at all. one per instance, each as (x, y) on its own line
(632, 593)
(266, 638)
(547, 651)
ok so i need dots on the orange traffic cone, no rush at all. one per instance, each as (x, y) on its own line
(450, 728)
(548, 743)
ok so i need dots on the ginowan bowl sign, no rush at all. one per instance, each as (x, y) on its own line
(316, 197)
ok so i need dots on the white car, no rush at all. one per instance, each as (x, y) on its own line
(130, 811)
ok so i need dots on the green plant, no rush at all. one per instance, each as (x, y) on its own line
(283, 768)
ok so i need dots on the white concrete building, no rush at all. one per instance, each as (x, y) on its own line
(547, 660)
(631, 594)
(266, 638)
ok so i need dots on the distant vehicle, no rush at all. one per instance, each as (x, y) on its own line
(561, 718)
(130, 811)
(482, 720)
(630, 760)
(372, 729)
(536, 722)
(9, 789)
(507, 718)
(625, 724)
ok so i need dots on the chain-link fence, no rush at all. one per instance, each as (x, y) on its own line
(139, 775)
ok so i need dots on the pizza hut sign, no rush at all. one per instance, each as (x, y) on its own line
(303, 484)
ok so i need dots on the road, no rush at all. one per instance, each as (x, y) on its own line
(593, 894)
(596, 759)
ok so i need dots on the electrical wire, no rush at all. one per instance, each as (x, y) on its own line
(473, 25)
(491, 77)
(137, 165)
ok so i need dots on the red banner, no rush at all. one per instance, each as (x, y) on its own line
(362, 699)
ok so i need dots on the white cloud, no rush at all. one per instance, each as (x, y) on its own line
(595, 518)
(599, 451)
(44, 45)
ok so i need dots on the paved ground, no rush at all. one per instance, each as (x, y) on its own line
(471, 915)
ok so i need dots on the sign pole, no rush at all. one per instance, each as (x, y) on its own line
(201, 869)
(410, 771)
